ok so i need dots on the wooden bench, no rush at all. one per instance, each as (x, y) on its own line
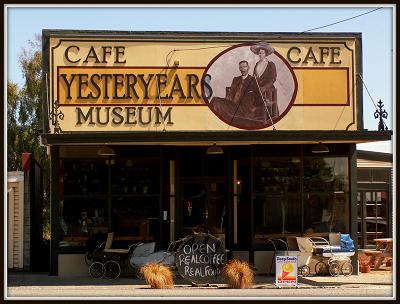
(377, 257)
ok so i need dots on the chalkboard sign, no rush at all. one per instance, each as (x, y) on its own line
(200, 258)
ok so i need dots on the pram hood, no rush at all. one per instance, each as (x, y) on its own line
(346, 242)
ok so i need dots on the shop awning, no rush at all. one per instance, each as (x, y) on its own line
(220, 137)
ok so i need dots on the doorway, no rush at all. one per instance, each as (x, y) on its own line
(203, 207)
(372, 217)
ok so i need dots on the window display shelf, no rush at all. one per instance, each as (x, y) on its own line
(134, 195)
(326, 193)
(277, 194)
(134, 189)
(130, 177)
(86, 196)
(84, 177)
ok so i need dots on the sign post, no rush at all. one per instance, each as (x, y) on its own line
(200, 258)
(286, 271)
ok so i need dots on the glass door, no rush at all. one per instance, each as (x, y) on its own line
(193, 207)
(203, 208)
(373, 217)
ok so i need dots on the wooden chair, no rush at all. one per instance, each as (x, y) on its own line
(272, 103)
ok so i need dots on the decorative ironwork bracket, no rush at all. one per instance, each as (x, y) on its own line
(56, 115)
(381, 114)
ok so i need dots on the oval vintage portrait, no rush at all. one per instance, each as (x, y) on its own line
(250, 86)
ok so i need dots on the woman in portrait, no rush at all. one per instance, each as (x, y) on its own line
(265, 75)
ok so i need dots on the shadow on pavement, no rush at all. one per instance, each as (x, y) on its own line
(336, 283)
(16, 279)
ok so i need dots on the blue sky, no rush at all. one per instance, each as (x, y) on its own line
(23, 23)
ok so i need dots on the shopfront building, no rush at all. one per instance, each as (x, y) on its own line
(206, 135)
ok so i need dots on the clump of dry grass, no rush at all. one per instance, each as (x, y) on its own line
(157, 275)
(239, 274)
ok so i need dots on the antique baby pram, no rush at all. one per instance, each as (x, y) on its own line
(107, 262)
(334, 255)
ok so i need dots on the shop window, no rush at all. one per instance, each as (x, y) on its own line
(359, 206)
(371, 236)
(135, 219)
(380, 175)
(381, 227)
(84, 177)
(280, 210)
(363, 175)
(128, 187)
(326, 195)
(368, 197)
(81, 217)
(277, 204)
(276, 175)
(135, 176)
(135, 199)
(371, 210)
(359, 240)
(381, 209)
(276, 216)
(83, 200)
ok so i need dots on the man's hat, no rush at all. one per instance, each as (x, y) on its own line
(262, 45)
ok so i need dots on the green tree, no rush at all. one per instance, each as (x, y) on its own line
(13, 128)
(24, 118)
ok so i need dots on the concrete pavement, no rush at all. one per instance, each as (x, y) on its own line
(374, 284)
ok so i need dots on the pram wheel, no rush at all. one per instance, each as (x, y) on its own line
(304, 270)
(334, 268)
(346, 269)
(112, 270)
(96, 270)
(320, 268)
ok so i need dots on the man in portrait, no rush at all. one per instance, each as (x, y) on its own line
(241, 106)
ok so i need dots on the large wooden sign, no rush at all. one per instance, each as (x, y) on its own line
(200, 258)
(185, 81)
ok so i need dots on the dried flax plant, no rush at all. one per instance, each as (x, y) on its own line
(238, 274)
(157, 275)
